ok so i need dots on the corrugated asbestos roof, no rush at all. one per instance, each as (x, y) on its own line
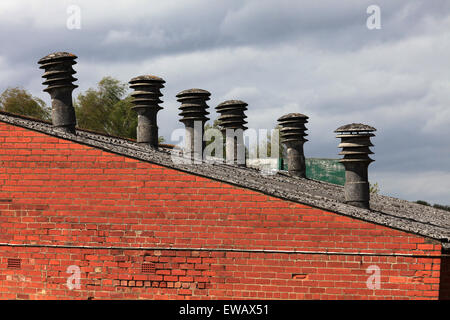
(387, 211)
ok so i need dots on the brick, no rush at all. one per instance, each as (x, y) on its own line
(61, 193)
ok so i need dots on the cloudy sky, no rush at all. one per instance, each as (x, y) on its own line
(314, 57)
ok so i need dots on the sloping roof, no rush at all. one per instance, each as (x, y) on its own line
(387, 211)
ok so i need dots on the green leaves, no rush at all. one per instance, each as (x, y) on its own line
(107, 109)
(374, 188)
(437, 206)
(19, 101)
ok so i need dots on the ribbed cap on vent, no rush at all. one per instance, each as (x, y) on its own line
(146, 100)
(355, 144)
(292, 135)
(58, 75)
(193, 113)
(193, 105)
(232, 114)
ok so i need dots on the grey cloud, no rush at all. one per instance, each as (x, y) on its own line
(317, 58)
(112, 31)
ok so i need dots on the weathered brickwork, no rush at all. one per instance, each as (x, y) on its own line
(139, 230)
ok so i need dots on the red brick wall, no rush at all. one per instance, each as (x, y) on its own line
(58, 193)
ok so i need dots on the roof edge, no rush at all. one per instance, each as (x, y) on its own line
(253, 179)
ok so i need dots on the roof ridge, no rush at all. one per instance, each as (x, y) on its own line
(387, 211)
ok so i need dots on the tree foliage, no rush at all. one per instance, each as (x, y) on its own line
(437, 206)
(19, 101)
(107, 109)
(374, 188)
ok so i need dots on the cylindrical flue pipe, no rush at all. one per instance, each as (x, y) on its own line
(59, 80)
(355, 143)
(232, 122)
(147, 93)
(194, 115)
(292, 135)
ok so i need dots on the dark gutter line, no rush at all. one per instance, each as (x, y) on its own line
(333, 253)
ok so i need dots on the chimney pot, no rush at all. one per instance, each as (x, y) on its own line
(147, 93)
(355, 143)
(194, 110)
(232, 121)
(59, 80)
(292, 135)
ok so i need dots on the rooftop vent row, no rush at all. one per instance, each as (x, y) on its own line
(355, 138)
